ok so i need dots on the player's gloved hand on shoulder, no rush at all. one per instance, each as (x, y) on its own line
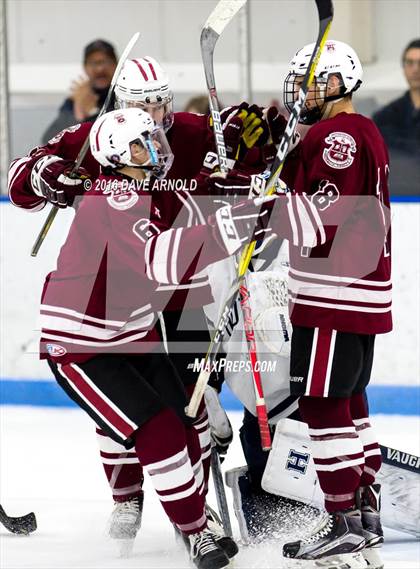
(50, 179)
(220, 428)
(256, 131)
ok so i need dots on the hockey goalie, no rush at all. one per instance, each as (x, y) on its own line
(278, 493)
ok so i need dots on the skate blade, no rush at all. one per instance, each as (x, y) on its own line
(125, 547)
(343, 561)
(373, 558)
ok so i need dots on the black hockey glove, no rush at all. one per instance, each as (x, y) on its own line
(50, 180)
(276, 124)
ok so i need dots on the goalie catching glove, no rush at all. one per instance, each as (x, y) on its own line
(50, 179)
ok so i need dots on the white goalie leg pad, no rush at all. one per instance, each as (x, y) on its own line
(400, 499)
(290, 470)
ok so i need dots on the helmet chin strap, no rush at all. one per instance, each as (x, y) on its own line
(328, 106)
(325, 113)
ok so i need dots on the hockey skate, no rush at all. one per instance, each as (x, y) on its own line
(335, 543)
(204, 551)
(225, 542)
(125, 523)
(370, 505)
(214, 524)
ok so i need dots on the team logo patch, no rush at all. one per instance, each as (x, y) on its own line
(339, 153)
(55, 350)
(297, 461)
(123, 200)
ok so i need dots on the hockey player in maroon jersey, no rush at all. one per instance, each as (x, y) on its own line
(98, 323)
(340, 298)
(41, 177)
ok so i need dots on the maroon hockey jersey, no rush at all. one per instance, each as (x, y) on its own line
(102, 296)
(190, 139)
(344, 284)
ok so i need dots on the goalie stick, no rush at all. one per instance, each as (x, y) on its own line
(82, 153)
(325, 14)
(215, 24)
(22, 525)
(219, 488)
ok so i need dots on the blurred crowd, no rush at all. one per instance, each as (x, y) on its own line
(399, 121)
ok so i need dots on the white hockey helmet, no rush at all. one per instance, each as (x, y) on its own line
(337, 59)
(113, 134)
(143, 83)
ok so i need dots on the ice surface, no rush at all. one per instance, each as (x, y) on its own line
(50, 464)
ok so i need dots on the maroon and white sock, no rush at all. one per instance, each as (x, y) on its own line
(163, 447)
(122, 468)
(371, 450)
(336, 448)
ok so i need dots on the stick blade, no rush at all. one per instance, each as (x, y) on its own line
(223, 14)
(22, 525)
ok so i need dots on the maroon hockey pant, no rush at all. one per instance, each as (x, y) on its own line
(344, 448)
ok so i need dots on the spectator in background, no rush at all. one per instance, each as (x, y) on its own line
(399, 123)
(87, 95)
(198, 105)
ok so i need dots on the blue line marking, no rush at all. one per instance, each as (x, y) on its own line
(386, 399)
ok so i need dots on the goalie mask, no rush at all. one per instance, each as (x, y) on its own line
(130, 137)
(143, 83)
(337, 59)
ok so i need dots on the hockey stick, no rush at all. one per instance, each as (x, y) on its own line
(82, 152)
(223, 13)
(215, 24)
(219, 488)
(325, 14)
(22, 525)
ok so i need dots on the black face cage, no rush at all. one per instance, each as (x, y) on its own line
(313, 109)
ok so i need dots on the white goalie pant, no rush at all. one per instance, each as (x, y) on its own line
(290, 472)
